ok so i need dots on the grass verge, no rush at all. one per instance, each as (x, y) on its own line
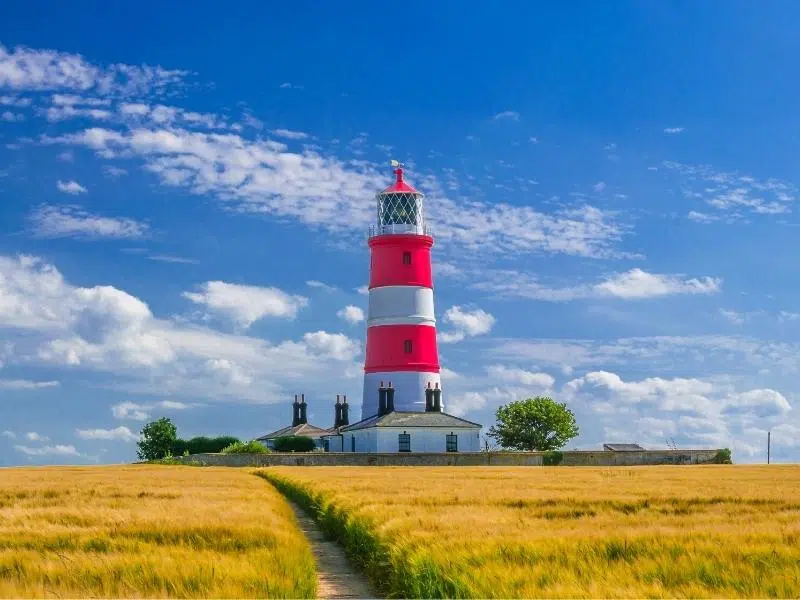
(394, 572)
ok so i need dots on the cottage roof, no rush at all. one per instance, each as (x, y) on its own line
(411, 419)
(304, 429)
(622, 447)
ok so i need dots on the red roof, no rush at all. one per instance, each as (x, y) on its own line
(399, 185)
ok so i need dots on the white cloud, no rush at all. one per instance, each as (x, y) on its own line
(466, 323)
(732, 193)
(734, 317)
(27, 69)
(262, 176)
(74, 222)
(351, 314)
(699, 217)
(333, 345)
(363, 290)
(599, 186)
(9, 434)
(673, 129)
(130, 410)
(173, 259)
(507, 114)
(36, 437)
(101, 328)
(635, 284)
(15, 101)
(11, 117)
(516, 375)
(57, 450)
(70, 187)
(321, 286)
(289, 134)
(120, 433)
(246, 304)
(24, 384)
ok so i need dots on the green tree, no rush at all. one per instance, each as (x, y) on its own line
(157, 439)
(538, 423)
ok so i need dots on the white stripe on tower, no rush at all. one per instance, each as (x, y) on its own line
(401, 305)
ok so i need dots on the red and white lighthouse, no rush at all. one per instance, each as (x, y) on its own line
(401, 328)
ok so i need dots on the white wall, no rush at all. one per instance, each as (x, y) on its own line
(423, 439)
(400, 304)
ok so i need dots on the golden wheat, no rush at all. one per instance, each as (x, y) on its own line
(700, 531)
(148, 531)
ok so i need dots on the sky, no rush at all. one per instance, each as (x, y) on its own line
(185, 198)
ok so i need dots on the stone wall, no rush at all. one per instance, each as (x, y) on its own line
(519, 459)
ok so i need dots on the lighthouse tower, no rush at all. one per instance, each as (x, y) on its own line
(401, 328)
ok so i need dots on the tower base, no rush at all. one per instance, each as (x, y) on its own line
(409, 388)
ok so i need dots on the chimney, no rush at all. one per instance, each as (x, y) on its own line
(381, 400)
(429, 398)
(390, 398)
(345, 410)
(437, 399)
(303, 407)
(295, 412)
(337, 421)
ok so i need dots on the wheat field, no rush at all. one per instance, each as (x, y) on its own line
(698, 531)
(148, 531)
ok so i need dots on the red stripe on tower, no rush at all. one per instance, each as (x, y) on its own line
(401, 328)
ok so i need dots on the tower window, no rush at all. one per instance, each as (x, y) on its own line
(406, 258)
(451, 442)
(404, 442)
(407, 346)
(352, 443)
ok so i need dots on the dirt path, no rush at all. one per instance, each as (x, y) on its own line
(336, 577)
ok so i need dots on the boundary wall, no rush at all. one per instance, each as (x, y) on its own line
(573, 458)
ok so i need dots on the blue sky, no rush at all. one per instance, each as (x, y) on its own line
(184, 200)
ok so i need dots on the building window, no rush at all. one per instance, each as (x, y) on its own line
(406, 258)
(352, 443)
(407, 346)
(451, 442)
(404, 442)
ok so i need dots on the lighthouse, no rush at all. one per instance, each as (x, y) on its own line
(401, 345)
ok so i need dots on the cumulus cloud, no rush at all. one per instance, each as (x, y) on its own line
(57, 450)
(141, 412)
(121, 433)
(635, 284)
(36, 437)
(74, 222)
(246, 304)
(70, 187)
(321, 285)
(53, 323)
(9, 434)
(351, 314)
(262, 176)
(673, 129)
(28, 69)
(521, 376)
(466, 323)
(334, 345)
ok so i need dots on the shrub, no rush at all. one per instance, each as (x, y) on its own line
(723, 457)
(552, 458)
(253, 447)
(202, 445)
(293, 443)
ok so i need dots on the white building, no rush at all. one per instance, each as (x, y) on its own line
(398, 431)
